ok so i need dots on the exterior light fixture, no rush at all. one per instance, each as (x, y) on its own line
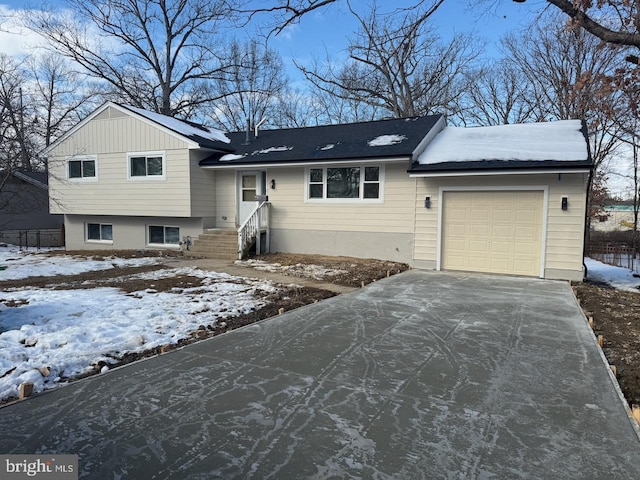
(565, 203)
(427, 202)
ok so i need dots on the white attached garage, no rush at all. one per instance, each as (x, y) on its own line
(493, 231)
(509, 199)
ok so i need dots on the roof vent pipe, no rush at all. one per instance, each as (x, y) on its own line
(264, 119)
(246, 138)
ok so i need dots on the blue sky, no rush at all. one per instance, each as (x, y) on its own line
(326, 30)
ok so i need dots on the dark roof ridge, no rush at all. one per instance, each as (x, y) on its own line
(364, 122)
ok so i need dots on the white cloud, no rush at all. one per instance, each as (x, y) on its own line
(15, 39)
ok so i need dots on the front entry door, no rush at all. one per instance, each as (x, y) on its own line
(250, 184)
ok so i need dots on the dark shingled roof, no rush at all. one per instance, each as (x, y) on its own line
(40, 179)
(326, 143)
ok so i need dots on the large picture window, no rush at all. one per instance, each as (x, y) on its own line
(162, 235)
(149, 165)
(82, 168)
(344, 183)
(99, 232)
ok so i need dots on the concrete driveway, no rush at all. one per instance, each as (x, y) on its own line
(422, 375)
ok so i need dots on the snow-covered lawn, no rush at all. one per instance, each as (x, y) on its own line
(71, 330)
(34, 263)
(617, 277)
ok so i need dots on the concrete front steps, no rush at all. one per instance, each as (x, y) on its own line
(219, 244)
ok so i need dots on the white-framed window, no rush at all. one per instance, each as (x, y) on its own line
(163, 235)
(82, 168)
(99, 232)
(146, 166)
(348, 183)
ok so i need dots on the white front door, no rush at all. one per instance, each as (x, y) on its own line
(250, 184)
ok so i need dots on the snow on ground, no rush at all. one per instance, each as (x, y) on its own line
(316, 272)
(69, 331)
(35, 263)
(617, 277)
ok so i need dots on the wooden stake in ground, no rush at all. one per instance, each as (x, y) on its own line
(25, 390)
(635, 411)
(600, 340)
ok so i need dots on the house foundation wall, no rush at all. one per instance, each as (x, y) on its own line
(129, 233)
(395, 247)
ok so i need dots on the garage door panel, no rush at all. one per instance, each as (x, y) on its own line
(502, 215)
(502, 232)
(479, 230)
(479, 263)
(501, 247)
(500, 265)
(478, 246)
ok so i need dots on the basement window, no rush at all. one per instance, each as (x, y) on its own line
(163, 235)
(99, 232)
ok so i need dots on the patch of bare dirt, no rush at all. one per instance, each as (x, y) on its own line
(616, 315)
(357, 271)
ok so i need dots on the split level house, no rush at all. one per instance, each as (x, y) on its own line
(508, 199)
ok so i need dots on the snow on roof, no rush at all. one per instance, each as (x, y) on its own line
(282, 148)
(559, 141)
(383, 140)
(184, 128)
(229, 157)
(328, 146)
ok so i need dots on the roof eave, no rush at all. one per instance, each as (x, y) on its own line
(435, 172)
(304, 163)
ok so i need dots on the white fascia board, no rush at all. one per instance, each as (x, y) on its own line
(431, 134)
(191, 144)
(259, 166)
(475, 173)
(188, 141)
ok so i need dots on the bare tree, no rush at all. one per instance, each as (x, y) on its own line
(499, 95)
(285, 13)
(568, 71)
(61, 96)
(397, 65)
(251, 88)
(616, 22)
(156, 54)
(16, 145)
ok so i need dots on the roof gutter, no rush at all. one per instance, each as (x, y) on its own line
(236, 165)
(511, 171)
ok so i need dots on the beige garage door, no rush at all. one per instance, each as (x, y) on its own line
(495, 232)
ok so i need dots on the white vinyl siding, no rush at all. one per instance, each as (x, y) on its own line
(113, 140)
(392, 213)
(563, 240)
